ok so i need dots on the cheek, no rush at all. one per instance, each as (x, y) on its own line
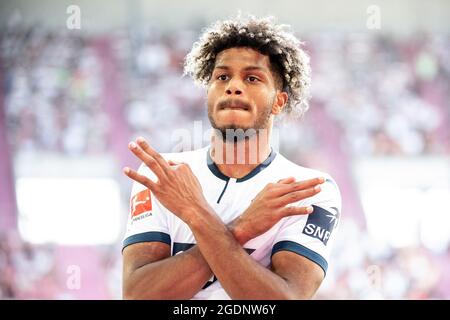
(210, 100)
(264, 98)
(212, 95)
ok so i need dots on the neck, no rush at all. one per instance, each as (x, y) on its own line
(237, 159)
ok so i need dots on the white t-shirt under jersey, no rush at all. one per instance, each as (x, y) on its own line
(308, 235)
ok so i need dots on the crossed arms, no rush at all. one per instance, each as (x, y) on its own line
(150, 272)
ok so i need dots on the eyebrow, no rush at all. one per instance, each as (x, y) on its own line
(248, 68)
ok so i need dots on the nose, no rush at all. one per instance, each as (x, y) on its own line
(233, 87)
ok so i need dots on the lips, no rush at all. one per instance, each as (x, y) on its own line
(233, 105)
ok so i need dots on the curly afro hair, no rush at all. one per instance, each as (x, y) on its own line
(289, 62)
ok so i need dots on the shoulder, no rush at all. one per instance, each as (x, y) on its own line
(330, 189)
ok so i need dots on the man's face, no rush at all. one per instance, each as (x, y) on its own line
(242, 92)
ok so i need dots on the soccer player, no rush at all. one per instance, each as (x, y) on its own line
(234, 219)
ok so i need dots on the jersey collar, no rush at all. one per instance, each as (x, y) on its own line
(215, 170)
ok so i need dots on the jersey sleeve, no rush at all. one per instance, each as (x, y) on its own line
(312, 235)
(147, 218)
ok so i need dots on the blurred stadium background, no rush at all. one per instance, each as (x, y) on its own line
(71, 99)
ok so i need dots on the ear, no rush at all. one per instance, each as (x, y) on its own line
(280, 101)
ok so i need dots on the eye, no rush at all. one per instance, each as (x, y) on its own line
(222, 77)
(252, 79)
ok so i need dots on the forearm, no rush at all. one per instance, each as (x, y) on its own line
(177, 277)
(239, 274)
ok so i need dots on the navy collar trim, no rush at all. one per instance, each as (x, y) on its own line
(215, 170)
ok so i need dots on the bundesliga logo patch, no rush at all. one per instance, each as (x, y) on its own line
(141, 203)
(321, 223)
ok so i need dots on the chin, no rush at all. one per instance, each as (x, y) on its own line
(234, 125)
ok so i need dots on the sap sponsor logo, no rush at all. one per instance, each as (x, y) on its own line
(321, 223)
(141, 203)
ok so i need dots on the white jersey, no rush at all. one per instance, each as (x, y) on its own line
(310, 236)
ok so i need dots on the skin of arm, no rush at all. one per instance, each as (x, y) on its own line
(149, 265)
(291, 276)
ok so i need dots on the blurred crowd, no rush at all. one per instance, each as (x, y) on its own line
(385, 96)
(158, 99)
(52, 85)
(31, 271)
(389, 95)
(26, 271)
(362, 268)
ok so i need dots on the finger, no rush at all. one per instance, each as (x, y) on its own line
(174, 163)
(287, 180)
(152, 152)
(310, 182)
(295, 196)
(147, 159)
(295, 211)
(283, 189)
(132, 174)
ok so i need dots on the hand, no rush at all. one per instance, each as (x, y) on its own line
(270, 206)
(177, 188)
